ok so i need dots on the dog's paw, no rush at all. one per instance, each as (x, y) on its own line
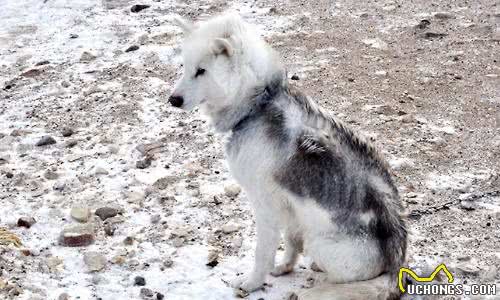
(243, 286)
(281, 270)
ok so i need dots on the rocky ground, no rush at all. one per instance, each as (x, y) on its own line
(115, 195)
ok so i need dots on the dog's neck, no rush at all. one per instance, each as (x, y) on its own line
(236, 118)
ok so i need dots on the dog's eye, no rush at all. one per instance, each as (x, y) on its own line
(199, 72)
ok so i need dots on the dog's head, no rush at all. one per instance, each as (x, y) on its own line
(216, 65)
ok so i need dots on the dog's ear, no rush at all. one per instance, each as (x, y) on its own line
(186, 25)
(222, 46)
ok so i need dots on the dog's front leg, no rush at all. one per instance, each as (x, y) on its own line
(268, 236)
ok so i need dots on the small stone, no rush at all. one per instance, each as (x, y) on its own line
(178, 242)
(77, 236)
(376, 43)
(95, 261)
(50, 175)
(467, 205)
(26, 222)
(9, 174)
(63, 296)
(80, 213)
(168, 262)
(100, 171)
(444, 16)
(71, 144)
(144, 163)
(230, 227)
(240, 293)
(109, 229)
(118, 260)
(433, 35)
(159, 296)
(53, 262)
(490, 274)
(155, 219)
(232, 190)
(146, 293)
(164, 182)
(295, 77)
(138, 7)
(213, 258)
(31, 73)
(66, 132)
(73, 36)
(43, 62)
(65, 84)
(129, 240)
(106, 212)
(468, 269)
(140, 281)
(132, 48)
(45, 140)
(87, 57)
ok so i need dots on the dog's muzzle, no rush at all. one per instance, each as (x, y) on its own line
(176, 100)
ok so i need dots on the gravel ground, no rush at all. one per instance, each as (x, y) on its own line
(91, 154)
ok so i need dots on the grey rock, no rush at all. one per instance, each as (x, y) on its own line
(45, 140)
(146, 293)
(106, 212)
(26, 222)
(232, 190)
(144, 163)
(66, 132)
(132, 48)
(138, 7)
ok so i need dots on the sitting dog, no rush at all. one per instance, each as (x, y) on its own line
(307, 175)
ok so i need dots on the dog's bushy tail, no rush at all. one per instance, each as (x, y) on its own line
(384, 287)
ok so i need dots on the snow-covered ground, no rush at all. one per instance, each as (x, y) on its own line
(64, 67)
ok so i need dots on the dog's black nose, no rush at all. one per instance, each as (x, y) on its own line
(176, 100)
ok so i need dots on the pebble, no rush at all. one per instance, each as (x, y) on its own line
(63, 296)
(468, 269)
(467, 205)
(87, 57)
(43, 62)
(146, 293)
(232, 190)
(132, 48)
(26, 222)
(230, 227)
(159, 296)
(444, 15)
(77, 236)
(376, 43)
(129, 240)
(45, 140)
(138, 7)
(295, 77)
(101, 171)
(490, 274)
(164, 182)
(155, 219)
(66, 132)
(80, 213)
(140, 281)
(109, 229)
(73, 36)
(213, 258)
(50, 175)
(71, 144)
(144, 163)
(178, 242)
(95, 261)
(106, 212)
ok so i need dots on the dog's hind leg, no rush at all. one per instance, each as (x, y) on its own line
(293, 247)
(346, 259)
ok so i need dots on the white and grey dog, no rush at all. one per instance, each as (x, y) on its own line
(306, 174)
